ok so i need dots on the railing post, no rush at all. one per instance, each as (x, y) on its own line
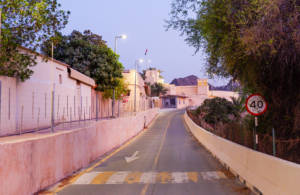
(38, 120)
(274, 143)
(70, 117)
(22, 110)
(97, 111)
(52, 111)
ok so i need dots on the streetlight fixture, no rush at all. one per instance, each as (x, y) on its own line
(115, 50)
(137, 62)
(119, 37)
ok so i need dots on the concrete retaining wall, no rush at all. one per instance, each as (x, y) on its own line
(31, 164)
(268, 174)
(223, 94)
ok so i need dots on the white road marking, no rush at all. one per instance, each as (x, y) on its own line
(148, 177)
(117, 178)
(210, 175)
(213, 175)
(180, 177)
(86, 178)
(133, 157)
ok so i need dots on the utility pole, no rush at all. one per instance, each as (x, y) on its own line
(114, 92)
(52, 93)
(135, 87)
(114, 97)
(0, 22)
(52, 48)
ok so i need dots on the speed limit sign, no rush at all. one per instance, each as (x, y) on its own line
(256, 104)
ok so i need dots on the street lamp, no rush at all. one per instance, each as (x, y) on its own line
(137, 62)
(119, 37)
(115, 50)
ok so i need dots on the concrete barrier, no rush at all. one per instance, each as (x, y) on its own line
(33, 163)
(264, 173)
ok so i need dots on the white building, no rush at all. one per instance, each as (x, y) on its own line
(27, 106)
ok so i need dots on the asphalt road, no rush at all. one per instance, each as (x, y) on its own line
(164, 159)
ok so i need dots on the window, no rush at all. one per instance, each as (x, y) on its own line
(60, 79)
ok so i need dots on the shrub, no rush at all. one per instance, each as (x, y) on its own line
(217, 110)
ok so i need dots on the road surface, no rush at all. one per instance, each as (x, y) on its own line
(164, 159)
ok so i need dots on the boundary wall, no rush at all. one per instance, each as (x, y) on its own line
(263, 173)
(32, 163)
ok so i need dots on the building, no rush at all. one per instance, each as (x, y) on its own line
(191, 95)
(136, 94)
(152, 76)
(174, 101)
(54, 89)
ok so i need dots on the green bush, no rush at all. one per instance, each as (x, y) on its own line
(217, 110)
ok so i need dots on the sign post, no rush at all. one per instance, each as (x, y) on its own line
(256, 105)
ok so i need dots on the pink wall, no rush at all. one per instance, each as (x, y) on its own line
(27, 105)
(7, 105)
(186, 90)
(31, 164)
(182, 102)
(104, 105)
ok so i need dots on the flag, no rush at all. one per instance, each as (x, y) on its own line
(146, 51)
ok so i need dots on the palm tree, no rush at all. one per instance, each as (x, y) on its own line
(239, 104)
(158, 89)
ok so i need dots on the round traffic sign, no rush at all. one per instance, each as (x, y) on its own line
(256, 104)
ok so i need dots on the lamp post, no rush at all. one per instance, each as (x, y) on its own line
(136, 65)
(0, 22)
(115, 50)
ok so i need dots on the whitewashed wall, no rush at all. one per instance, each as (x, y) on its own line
(30, 101)
(7, 104)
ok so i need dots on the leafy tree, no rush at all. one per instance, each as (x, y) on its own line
(88, 54)
(120, 89)
(26, 23)
(158, 89)
(255, 42)
(217, 110)
(239, 104)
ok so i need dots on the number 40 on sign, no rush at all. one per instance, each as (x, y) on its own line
(256, 104)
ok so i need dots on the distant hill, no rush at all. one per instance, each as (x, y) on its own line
(192, 80)
(231, 86)
(189, 80)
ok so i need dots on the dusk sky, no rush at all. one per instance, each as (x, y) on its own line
(143, 21)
